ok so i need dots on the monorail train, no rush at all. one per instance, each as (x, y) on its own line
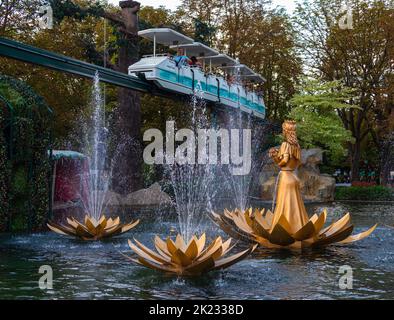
(169, 75)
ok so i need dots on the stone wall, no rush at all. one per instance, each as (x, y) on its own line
(315, 186)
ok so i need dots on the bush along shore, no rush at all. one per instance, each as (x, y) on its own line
(372, 193)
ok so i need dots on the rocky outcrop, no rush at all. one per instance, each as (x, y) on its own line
(314, 185)
(152, 196)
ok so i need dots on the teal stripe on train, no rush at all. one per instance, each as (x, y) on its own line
(212, 89)
(224, 93)
(203, 85)
(186, 81)
(168, 75)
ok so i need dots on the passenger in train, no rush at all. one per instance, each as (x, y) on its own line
(230, 79)
(181, 59)
(194, 62)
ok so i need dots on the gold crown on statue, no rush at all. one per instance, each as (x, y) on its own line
(289, 125)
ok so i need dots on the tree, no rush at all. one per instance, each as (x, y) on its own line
(359, 55)
(19, 18)
(318, 123)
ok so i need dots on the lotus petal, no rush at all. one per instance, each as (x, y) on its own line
(116, 221)
(180, 258)
(280, 236)
(242, 224)
(261, 227)
(201, 243)
(171, 247)
(72, 223)
(200, 266)
(335, 237)
(284, 224)
(307, 231)
(142, 254)
(226, 262)
(336, 226)
(151, 253)
(262, 221)
(359, 236)
(155, 266)
(214, 250)
(81, 229)
(269, 216)
(91, 227)
(130, 226)
(110, 223)
(319, 221)
(180, 243)
(161, 246)
(229, 229)
(192, 249)
(226, 246)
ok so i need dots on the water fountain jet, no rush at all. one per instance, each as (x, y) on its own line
(95, 226)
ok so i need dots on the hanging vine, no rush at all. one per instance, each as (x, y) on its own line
(4, 170)
(28, 138)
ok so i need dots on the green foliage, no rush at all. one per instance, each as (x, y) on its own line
(203, 32)
(4, 171)
(374, 193)
(24, 162)
(318, 124)
(68, 8)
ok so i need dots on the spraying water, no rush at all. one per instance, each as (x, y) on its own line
(193, 183)
(96, 145)
(240, 185)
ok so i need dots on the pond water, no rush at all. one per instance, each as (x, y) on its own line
(97, 270)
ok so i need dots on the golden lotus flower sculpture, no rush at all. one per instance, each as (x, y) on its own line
(92, 229)
(191, 259)
(257, 226)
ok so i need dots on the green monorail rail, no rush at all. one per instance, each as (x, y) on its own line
(26, 53)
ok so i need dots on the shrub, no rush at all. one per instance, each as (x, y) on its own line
(363, 184)
(371, 193)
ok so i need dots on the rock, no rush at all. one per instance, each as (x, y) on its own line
(151, 196)
(315, 186)
(113, 199)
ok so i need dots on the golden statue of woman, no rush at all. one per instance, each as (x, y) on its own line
(289, 202)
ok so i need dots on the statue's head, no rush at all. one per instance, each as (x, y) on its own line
(290, 131)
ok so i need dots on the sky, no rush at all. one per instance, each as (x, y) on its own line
(172, 4)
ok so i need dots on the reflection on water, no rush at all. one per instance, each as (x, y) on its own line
(98, 270)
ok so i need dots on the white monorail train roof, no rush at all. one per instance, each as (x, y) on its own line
(174, 39)
(242, 69)
(165, 36)
(220, 60)
(255, 77)
(197, 49)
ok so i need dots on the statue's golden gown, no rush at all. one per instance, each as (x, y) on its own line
(289, 202)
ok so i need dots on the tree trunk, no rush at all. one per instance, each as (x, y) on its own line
(127, 173)
(355, 160)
